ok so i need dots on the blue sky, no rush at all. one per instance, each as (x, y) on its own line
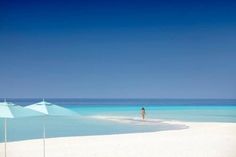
(118, 49)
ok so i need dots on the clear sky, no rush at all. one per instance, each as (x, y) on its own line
(118, 49)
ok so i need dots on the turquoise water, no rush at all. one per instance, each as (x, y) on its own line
(182, 113)
(125, 112)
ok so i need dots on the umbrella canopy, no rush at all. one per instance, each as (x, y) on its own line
(51, 109)
(10, 110)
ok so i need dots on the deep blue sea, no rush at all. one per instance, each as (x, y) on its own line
(117, 116)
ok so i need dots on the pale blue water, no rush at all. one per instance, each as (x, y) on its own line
(166, 109)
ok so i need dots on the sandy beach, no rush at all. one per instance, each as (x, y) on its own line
(199, 140)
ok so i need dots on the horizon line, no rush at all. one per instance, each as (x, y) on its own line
(108, 98)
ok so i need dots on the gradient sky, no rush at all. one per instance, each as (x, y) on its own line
(118, 49)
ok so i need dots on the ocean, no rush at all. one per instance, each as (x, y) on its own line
(118, 116)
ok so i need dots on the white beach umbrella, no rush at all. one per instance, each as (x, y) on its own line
(9, 110)
(49, 109)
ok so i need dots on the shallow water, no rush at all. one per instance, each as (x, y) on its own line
(102, 117)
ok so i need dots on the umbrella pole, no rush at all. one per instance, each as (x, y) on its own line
(44, 135)
(5, 138)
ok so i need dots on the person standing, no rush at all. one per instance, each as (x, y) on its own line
(143, 112)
